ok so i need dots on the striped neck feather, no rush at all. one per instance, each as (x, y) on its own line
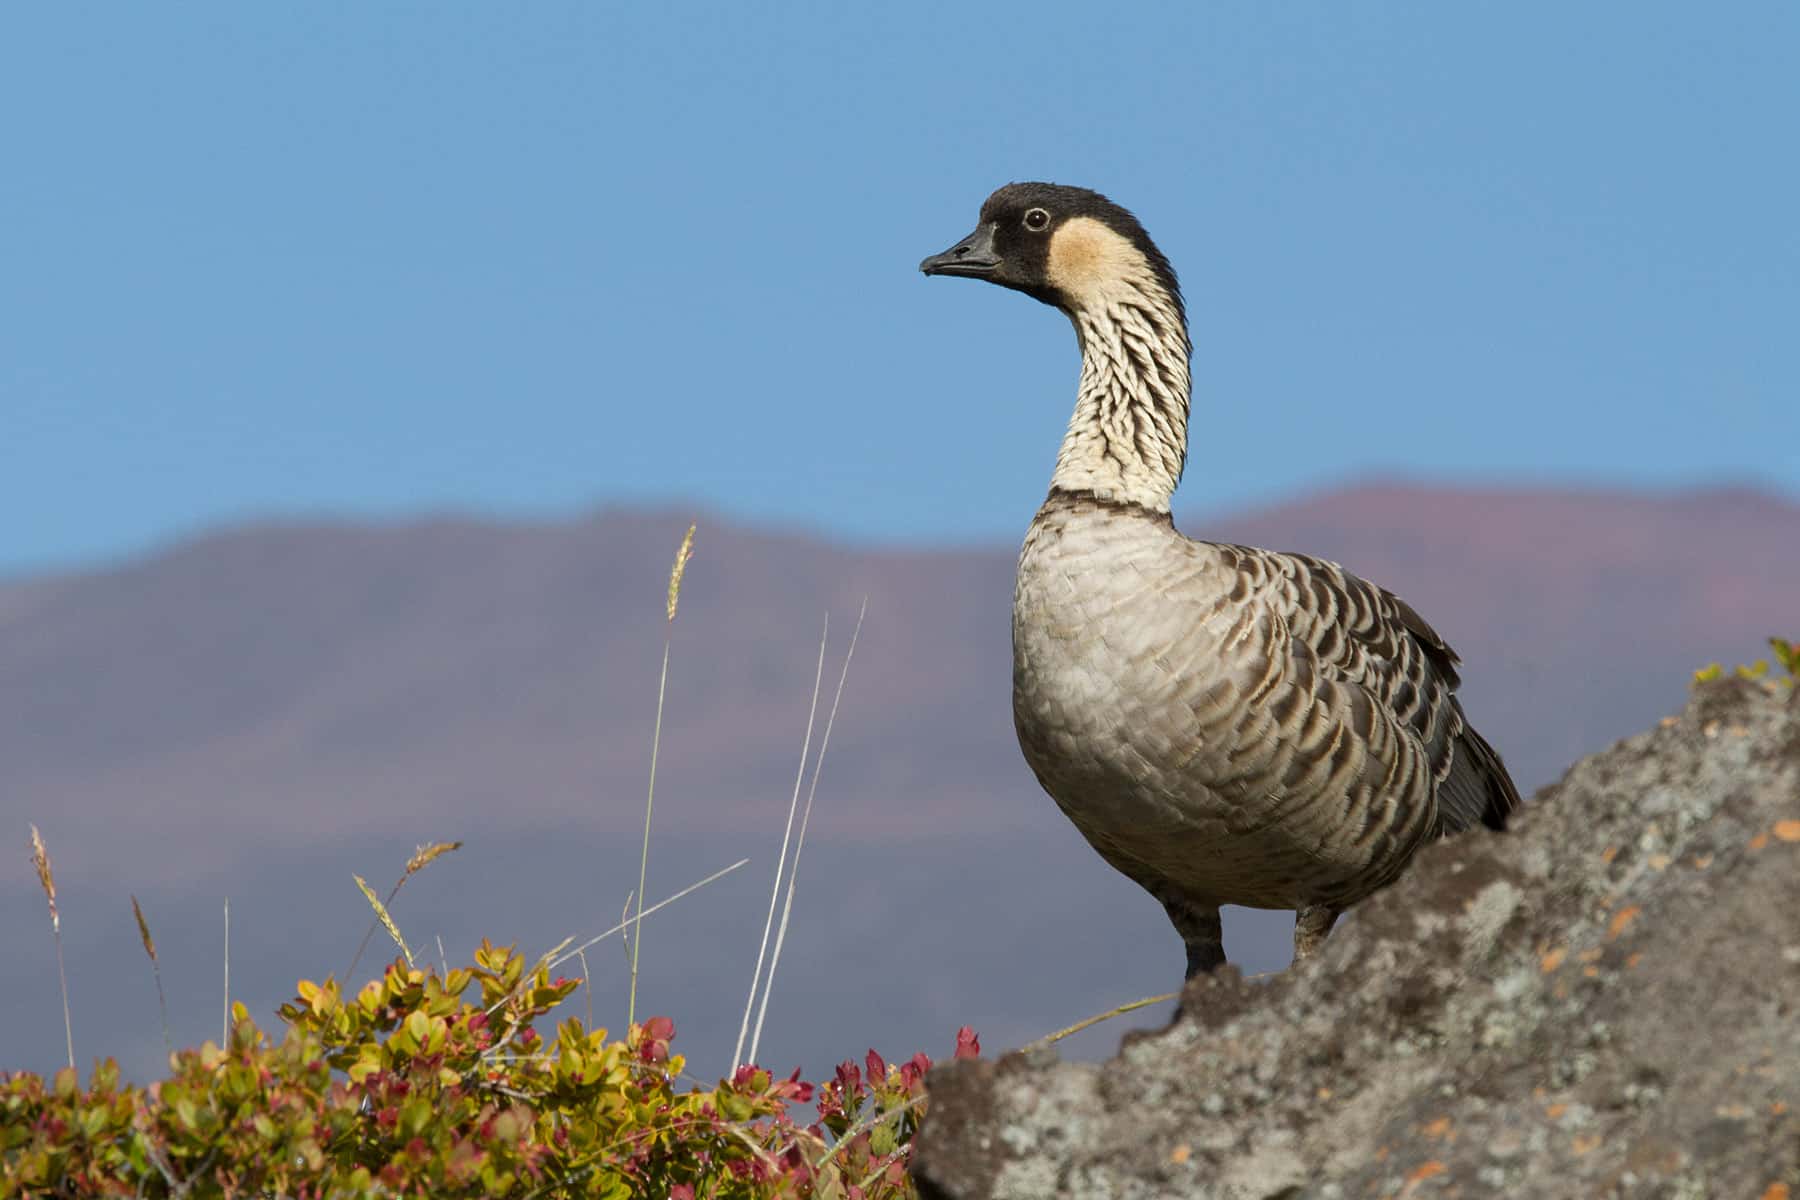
(1127, 440)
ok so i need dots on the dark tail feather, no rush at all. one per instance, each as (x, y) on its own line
(1478, 791)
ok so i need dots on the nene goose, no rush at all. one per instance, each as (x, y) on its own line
(1225, 725)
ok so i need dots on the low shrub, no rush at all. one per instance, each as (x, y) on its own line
(1786, 653)
(412, 1088)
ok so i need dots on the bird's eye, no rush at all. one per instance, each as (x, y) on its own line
(1037, 220)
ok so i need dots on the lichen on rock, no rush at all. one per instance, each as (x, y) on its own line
(1603, 1001)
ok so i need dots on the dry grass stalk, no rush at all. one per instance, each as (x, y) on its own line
(624, 932)
(1108, 1015)
(787, 834)
(225, 1024)
(660, 904)
(863, 1126)
(40, 859)
(587, 985)
(381, 914)
(421, 858)
(554, 957)
(162, 1000)
(787, 905)
(682, 554)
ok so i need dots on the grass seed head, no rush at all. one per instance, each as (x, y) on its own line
(381, 914)
(40, 858)
(143, 929)
(679, 569)
(423, 856)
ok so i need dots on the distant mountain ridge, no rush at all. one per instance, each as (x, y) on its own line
(397, 672)
(197, 720)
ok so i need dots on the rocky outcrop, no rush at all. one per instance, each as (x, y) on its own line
(1604, 1001)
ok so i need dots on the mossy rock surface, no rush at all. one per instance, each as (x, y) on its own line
(1605, 1001)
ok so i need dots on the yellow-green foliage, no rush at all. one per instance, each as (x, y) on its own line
(410, 1088)
(1787, 654)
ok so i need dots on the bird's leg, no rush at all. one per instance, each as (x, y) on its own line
(1200, 930)
(1311, 926)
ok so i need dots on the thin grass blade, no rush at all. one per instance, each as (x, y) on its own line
(40, 859)
(162, 1000)
(658, 906)
(737, 1052)
(684, 552)
(787, 906)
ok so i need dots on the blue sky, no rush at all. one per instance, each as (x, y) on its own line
(524, 259)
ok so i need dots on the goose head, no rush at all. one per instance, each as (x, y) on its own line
(1066, 246)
